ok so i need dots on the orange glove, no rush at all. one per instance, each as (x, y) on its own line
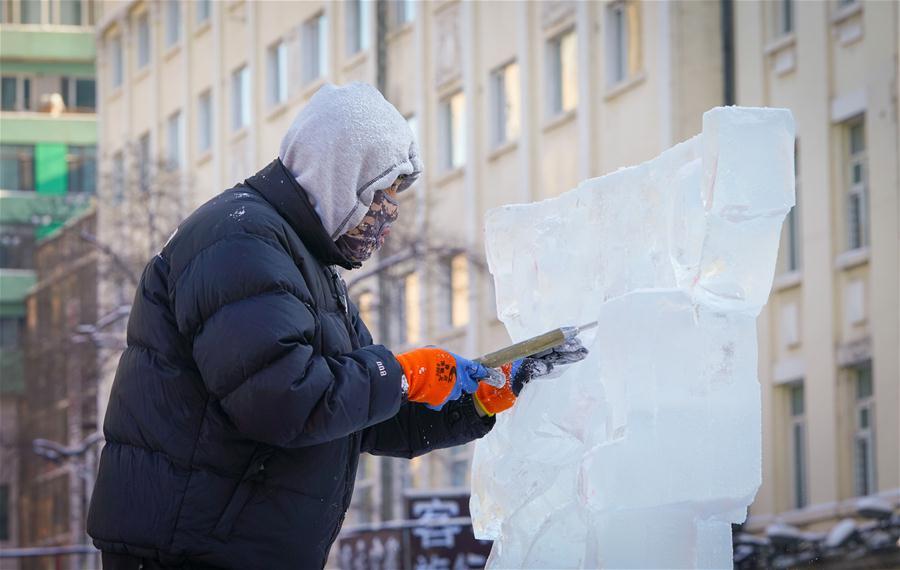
(436, 376)
(494, 400)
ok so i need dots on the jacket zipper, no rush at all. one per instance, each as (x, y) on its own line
(343, 302)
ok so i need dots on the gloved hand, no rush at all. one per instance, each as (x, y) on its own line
(492, 400)
(435, 376)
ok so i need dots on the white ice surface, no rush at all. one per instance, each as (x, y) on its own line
(644, 454)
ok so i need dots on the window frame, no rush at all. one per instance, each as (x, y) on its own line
(502, 108)
(797, 446)
(204, 121)
(23, 96)
(865, 435)
(78, 158)
(276, 73)
(557, 96)
(856, 207)
(143, 54)
(175, 141)
(784, 18)
(174, 23)
(241, 108)
(404, 12)
(202, 12)
(451, 141)
(356, 28)
(27, 166)
(117, 63)
(314, 48)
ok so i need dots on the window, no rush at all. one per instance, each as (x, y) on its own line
(240, 98)
(143, 158)
(8, 89)
(173, 138)
(115, 61)
(856, 199)
(455, 287)
(70, 12)
(453, 131)
(411, 315)
(404, 12)
(314, 55)
(797, 444)
(173, 22)
(117, 175)
(82, 161)
(623, 41)
(277, 73)
(202, 11)
(357, 25)
(204, 121)
(4, 512)
(17, 167)
(864, 430)
(562, 58)
(506, 103)
(85, 94)
(10, 331)
(79, 94)
(17, 246)
(784, 17)
(143, 40)
(30, 11)
(413, 123)
(16, 93)
(366, 306)
(789, 255)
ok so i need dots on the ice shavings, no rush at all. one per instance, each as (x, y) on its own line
(642, 455)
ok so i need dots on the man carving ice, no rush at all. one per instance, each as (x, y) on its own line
(250, 385)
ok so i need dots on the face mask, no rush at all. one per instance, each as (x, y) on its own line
(361, 242)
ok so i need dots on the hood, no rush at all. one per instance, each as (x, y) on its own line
(345, 144)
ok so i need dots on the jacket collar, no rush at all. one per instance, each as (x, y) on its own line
(281, 190)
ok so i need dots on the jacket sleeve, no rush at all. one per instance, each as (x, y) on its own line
(416, 429)
(248, 310)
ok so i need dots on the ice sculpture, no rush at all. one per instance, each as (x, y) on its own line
(644, 454)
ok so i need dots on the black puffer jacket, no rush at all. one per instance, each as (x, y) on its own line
(247, 392)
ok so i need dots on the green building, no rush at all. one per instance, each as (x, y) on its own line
(48, 173)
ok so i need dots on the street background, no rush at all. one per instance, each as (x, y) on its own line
(120, 117)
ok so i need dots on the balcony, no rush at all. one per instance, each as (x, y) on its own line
(28, 127)
(21, 42)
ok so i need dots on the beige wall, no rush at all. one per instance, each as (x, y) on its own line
(836, 65)
(678, 75)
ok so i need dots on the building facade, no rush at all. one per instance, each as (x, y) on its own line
(829, 362)
(520, 112)
(47, 173)
(60, 396)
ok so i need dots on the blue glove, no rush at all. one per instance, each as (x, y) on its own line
(468, 374)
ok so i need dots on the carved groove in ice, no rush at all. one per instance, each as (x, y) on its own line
(644, 454)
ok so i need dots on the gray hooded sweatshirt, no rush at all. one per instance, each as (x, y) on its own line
(345, 144)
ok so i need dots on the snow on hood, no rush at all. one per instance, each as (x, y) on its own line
(345, 144)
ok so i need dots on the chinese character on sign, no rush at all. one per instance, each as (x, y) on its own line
(435, 509)
(437, 536)
(433, 562)
(392, 556)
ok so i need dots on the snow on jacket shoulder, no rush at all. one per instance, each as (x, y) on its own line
(247, 390)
